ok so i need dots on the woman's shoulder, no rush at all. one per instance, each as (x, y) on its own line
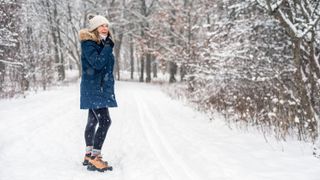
(86, 36)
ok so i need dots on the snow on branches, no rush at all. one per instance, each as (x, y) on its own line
(300, 16)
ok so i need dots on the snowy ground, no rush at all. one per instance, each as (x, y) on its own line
(151, 138)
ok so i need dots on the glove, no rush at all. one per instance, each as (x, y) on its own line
(108, 42)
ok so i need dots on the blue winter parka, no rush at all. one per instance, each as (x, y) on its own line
(97, 81)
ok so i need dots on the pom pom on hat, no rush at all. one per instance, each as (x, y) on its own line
(96, 20)
(90, 16)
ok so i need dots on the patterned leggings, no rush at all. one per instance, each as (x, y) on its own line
(95, 137)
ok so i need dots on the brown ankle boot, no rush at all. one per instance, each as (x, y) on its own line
(86, 159)
(96, 163)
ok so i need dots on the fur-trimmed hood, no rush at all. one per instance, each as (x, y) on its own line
(85, 35)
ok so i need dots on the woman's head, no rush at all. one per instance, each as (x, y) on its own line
(98, 22)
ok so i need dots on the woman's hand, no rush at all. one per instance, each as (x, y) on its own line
(108, 42)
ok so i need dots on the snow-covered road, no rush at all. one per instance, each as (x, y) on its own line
(151, 138)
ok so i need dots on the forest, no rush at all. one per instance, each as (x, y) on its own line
(255, 61)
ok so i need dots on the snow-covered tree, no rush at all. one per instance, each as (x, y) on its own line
(10, 65)
(300, 19)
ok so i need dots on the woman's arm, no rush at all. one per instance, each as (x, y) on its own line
(96, 60)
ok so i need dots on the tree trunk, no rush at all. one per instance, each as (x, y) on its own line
(117, 49)
(172, 64)
(148, 64)
(142, 69)
(58, 43)
(154, 67)
(2, 75)
(172, 71)
(131, 57)
(61, 69)
(143, 12)
(182, 72)
(301, 86)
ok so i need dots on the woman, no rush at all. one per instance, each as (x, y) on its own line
(97, 87)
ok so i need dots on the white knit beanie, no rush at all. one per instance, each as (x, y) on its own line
(96, 20)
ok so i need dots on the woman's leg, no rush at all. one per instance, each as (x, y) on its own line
(90, 131)
(103, 117)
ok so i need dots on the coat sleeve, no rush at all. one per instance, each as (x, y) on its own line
(96, 60)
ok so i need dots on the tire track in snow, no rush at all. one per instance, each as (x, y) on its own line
(169, 159)
(188, 134)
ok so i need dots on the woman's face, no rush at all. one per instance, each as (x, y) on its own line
(103, 29)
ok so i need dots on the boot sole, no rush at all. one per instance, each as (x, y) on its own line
(85, 162)
(91, 167)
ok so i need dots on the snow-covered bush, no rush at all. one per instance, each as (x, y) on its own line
(246, 65)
